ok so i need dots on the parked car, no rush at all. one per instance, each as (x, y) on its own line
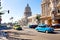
(33, 26)
(3, 28)
(44, 28)
(17, 27)
(56, 26)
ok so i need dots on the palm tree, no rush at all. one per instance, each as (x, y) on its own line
(38, 19)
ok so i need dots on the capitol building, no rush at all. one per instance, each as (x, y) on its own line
(50, 13)
(28, 18)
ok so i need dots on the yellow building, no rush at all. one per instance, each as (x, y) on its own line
(50, 12)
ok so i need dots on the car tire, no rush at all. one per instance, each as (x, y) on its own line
(46, 31)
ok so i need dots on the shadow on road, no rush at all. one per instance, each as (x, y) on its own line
(26, 39)
(13, 38)
(55, 32)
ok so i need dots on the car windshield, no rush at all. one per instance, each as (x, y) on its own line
(42, 26)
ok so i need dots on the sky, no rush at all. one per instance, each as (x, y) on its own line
(17, 8)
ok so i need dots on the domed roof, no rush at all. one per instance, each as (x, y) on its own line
(27, 8)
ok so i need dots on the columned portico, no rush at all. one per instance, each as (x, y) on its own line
(50, 12)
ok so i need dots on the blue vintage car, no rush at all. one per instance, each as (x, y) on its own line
(44, 28)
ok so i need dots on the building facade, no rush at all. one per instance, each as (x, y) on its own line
(32, 19)
(27, 13)
(28, 18)
(50, 12)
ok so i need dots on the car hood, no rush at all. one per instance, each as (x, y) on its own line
(48, 28)
(45, 28)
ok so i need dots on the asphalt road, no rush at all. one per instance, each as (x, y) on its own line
(31, 34)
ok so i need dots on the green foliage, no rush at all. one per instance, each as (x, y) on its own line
(1, 13)
(0, 25)
(38, 17)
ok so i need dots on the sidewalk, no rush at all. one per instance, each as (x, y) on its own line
(58, 29)
(3, 38)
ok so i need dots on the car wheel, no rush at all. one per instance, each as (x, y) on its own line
(46, 31)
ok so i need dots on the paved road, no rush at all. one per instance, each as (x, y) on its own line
(31, 34)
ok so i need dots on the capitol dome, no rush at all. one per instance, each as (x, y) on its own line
(27, 8)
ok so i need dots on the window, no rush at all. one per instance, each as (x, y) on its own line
(57, 1)
(58, 11)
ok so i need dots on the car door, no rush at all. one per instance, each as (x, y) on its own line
(43, 29)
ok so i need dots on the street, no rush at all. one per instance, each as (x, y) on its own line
(32, 34)
(29, 19)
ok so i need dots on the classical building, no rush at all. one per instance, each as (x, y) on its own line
(28, 18)
(50, 12)
(27, 13)
(23, 21)
(32, 19)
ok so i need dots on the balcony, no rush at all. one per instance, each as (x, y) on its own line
(56, 17)
(58, 14)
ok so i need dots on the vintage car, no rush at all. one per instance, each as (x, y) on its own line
(17, 27)
(56, 26)
(44, 28)
(33, 26)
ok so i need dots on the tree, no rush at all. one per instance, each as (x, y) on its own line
(38, 19)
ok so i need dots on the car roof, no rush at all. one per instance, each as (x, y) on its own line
(42, 24)
(56, 25)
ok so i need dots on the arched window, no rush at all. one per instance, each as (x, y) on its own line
(58, 11)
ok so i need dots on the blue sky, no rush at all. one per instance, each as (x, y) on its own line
(17, 8)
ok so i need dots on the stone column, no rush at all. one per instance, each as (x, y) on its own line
(53, 10)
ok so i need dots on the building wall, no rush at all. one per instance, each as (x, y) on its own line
(32, 19)
(48, 6)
